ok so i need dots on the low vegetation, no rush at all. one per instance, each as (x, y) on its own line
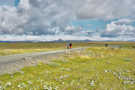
(97, 68)
(21, 48)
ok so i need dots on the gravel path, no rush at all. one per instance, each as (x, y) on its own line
(13, 63)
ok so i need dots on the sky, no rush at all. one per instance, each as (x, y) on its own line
(47, 20)
(6, 2)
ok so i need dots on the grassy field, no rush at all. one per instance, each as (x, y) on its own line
(121, 44)
(97, 68)
(20, 48)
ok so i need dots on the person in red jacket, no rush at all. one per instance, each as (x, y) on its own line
(70, 45)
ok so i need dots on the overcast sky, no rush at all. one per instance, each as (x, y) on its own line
(67, 19)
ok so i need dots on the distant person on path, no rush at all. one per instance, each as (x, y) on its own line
(106, 45)
(67, 45)
(70, 45)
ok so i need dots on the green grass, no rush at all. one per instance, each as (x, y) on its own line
(96, 68)
(21, 48)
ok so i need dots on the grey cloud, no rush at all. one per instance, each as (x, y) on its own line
(107, 9)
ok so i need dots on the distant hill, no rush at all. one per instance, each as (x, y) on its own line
(60, 40)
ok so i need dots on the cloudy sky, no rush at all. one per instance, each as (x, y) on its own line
(45, 20)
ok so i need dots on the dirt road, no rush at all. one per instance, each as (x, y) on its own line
(12, 63)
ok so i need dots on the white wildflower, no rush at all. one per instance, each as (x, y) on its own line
(50, 88)
(45, 87)
(64, 76)
(61, 77)
(1, 87)
(106, 71)
(47, 72)
(92, 83)
(8, 84)
(119, 77)
(22, 85)
(56, 88)
(11, 76)
(131, 82)
(63, 82)
(114, 73)
(29, 82)
(21, 72)
(111, 89)
(126, 82)
(19, 86)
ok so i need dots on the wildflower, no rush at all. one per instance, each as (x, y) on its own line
(22, 85)
(92, 83)
(105, 71)
(126, 82)
(21, 72)
(114, 73)
(11, 76)
(50, 88)
(111, 89)
(48, 72)
(119, 77)
(19, 86)
(63, 82)
(64, 76)
(8, 84)
(131, 82)
(56, 88)
(45, 87)
(1, 87)
(29, 82)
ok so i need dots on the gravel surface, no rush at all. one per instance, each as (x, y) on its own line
(13, 63)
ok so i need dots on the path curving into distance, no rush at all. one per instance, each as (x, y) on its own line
(13, 63)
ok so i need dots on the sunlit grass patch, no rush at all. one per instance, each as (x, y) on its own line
(4, 52)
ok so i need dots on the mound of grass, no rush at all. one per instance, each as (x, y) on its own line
(97, 68)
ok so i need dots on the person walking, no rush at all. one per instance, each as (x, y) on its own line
(70, 45)
(106, 45)
(67, 45)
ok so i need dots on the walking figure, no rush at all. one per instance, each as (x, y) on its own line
(67, 45)
(70, 45)
(106, 45)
